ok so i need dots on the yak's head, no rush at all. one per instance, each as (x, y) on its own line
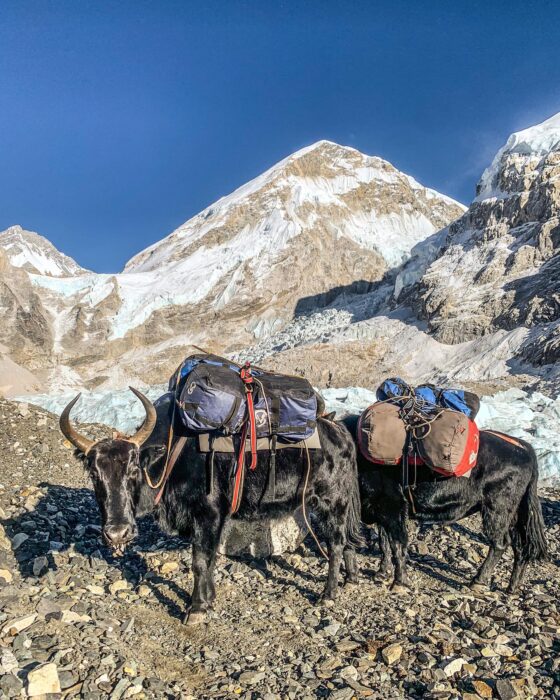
(114, 467)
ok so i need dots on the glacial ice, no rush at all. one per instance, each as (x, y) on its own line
(531, 416)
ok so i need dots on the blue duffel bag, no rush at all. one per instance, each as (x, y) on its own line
(211, 397)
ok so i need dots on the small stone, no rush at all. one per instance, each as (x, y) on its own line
(23, 409)
(251, 677)
(96, 590)
(69, 617)
(8, 661)
(350, 673)
(42, 680)
(483, 689)
(6, 575)
(506, 689)
(504, 650)
(118, 585)
(332, 629)
(392, 653)
(19, 539)
(10, 686)
(453, 667)
(144, 590)
(119, 689)
(19, 624)
(169, 567)
(40, 566)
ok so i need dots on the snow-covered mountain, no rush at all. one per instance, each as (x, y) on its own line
(33, 253)
(477, 303)
(324, 221)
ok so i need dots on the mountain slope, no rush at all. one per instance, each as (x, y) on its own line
(325, 220)
(477, 303)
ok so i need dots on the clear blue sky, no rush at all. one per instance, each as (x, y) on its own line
(120, 120)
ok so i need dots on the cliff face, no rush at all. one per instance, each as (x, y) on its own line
(500, 264)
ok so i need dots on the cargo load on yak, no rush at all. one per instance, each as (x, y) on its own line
(215, 395)
(240, 409)
(426, 425)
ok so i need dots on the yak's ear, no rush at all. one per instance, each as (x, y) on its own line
(329, 416)
(151, 455)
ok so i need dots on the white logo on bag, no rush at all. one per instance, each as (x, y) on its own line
(191, 388)
(260, 418)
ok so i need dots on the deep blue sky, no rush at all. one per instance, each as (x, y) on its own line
(120, 120)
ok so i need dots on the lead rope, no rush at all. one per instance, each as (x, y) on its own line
(303, 503)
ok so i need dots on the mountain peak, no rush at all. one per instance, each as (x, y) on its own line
(34, 253)
(534, 142)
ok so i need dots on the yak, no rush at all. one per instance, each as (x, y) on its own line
(502, 487)
(123, 471)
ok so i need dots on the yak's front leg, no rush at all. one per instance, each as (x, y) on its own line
(336, 549)
(205, 544)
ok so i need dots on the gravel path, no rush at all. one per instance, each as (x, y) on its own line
(76, 622)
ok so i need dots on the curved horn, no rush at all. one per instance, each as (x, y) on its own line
(83, 444)
(140, 437)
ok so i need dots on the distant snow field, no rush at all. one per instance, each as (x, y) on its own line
(532, 417)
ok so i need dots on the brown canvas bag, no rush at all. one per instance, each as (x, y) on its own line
(381, 434)
(449, 445)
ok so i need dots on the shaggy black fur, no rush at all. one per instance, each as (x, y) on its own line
(502, 487)
(193, 509)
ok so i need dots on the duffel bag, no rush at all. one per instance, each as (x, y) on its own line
(381, 434)
(449, 444)
(394, 388)
(212, 397)
(285, 406)
(455, 399)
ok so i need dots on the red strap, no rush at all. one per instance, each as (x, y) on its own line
(239, 472)
(253, 429)
(250, 425)
(247, 378)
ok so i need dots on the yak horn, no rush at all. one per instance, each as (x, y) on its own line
(149, 423)
(82, 443)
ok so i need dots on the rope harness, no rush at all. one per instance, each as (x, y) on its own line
(416, 414)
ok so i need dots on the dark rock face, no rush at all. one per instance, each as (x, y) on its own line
(500, 264)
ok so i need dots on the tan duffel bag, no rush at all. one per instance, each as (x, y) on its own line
(381, 434)
(449, 445)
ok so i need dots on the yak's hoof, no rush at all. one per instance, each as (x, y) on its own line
(351, 581)
(327, 601)
(399, 589)
(194, 618)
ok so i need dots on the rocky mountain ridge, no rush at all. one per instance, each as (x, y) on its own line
(325, 220)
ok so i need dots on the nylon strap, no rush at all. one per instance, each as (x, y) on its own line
(506, 438)
(173, 457)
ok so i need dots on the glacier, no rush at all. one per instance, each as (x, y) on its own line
(531, 416)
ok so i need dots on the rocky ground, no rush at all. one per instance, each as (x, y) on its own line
(75, 622)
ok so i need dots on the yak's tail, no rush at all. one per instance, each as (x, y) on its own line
(529, 539)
